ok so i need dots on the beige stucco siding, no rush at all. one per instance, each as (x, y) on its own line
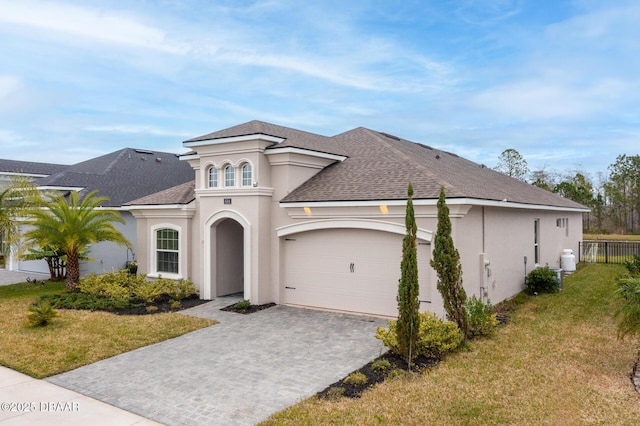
(242, 234)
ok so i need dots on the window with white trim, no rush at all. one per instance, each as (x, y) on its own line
(167, 250)
(247, 175)
(229, 176)
(213, 177)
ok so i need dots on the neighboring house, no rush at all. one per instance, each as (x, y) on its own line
(286, 216)
(30, 169)
(121, 176)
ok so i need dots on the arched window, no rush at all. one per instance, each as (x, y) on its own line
(213, 177)
(229, 176)
(247, 175)
(167, 250)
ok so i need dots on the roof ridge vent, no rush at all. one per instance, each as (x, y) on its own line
(425, 146)
(144, 151)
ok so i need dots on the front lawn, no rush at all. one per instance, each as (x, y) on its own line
(557, 361)
(75, 338)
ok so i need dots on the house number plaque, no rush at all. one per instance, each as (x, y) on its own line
(227, 200)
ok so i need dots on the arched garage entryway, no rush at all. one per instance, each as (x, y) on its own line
(350, 269)
(227, 255)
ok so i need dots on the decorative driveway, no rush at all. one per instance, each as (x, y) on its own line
(239, 371)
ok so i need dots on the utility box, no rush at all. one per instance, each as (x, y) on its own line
(559, 274)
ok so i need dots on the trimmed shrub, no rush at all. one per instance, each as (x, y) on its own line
(243, 304)
(628, 313)
(480, 316)
(116, 285)
(633, 265)
(149, 291)
(542, 280)
(122, 287)
(41, 313)
(356, 378)
(380, 365)
(178, 290)
(435, 336)
(91, 302)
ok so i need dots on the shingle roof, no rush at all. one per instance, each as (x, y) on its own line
(124, 175)
(181, 194)
(30, 167)
(292, 137)
(378, 166)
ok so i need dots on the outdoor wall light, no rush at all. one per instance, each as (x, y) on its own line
(307, 210)
(384, 209)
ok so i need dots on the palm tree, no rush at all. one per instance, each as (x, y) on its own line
(16, 198)
(72, 226)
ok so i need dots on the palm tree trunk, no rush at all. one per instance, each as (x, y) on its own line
(73, 271)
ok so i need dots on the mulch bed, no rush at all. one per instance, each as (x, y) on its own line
(251, 309)
(396, 362)
(162, 305)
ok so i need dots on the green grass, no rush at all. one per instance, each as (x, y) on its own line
(558, 362)
(610, 237)
(75, 338)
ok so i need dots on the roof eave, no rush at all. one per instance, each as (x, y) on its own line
(433, 202)
(216, 141)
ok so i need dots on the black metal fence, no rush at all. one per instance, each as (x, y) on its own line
(607, 251)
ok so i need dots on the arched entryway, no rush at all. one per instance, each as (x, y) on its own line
(227, 255)
(229, 258)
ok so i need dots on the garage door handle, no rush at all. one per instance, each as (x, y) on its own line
(352, 267)
(290, 288)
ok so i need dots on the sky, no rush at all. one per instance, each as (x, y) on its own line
(556, 80)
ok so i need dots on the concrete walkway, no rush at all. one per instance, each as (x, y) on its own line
(28, 401)
(237, 372)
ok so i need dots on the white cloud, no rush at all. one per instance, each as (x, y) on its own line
(137, 129)
(83, 22)
(8, 85)
(541, 99)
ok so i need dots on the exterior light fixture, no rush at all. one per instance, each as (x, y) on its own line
(384, 209)
(307, 210)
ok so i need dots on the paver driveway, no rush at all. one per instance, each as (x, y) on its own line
(237, 372)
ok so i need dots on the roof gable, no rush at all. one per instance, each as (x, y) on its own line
(124, 175)
(380, 167)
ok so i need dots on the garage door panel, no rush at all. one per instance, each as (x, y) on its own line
(347, 269)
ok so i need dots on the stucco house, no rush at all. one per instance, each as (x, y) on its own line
(122, 176)
(287, 216)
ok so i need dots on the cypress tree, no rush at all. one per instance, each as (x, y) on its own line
(408, 323)
(446, 262)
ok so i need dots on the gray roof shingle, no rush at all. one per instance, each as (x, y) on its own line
(292, 137)
(181, 194)
(378, 166)
(124, 175)
(30, 167)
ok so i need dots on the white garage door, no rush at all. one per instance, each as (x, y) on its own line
(347, 269)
